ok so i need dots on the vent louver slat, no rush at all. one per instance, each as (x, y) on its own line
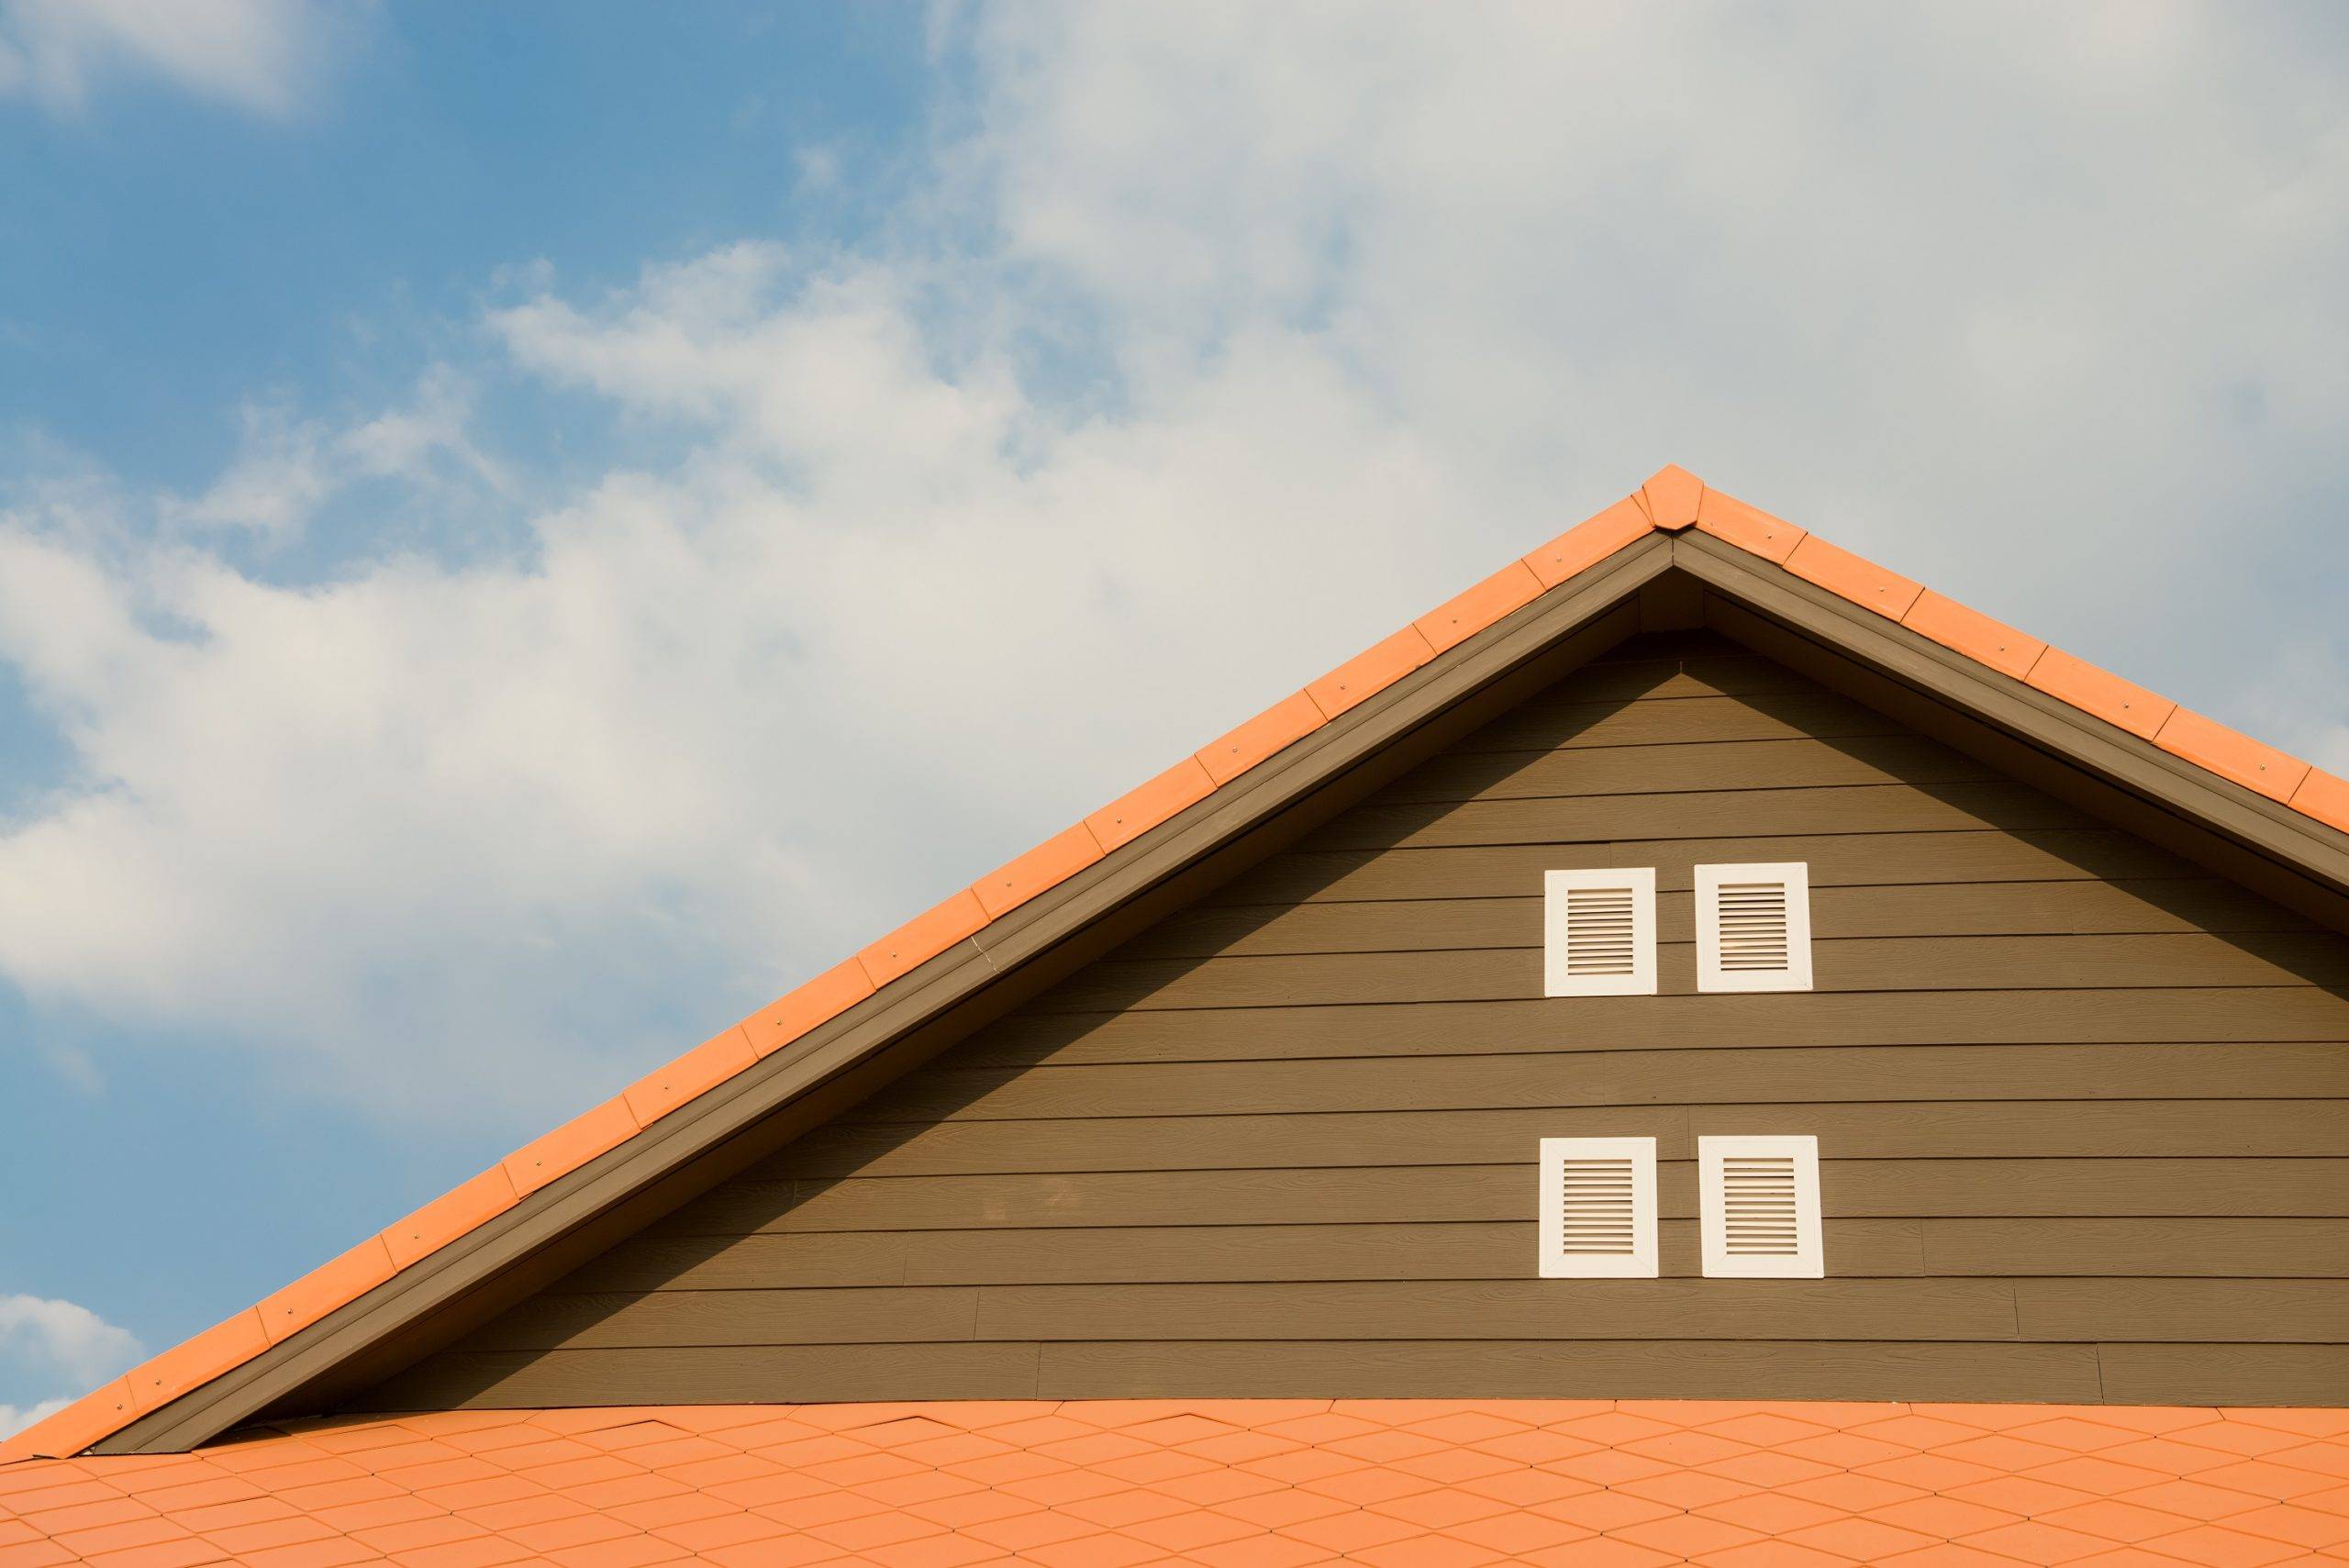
(1599, 931)
(1758, 1206)
(1597, 1219)
(1753, 925)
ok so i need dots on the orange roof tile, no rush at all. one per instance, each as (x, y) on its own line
(2206, 743)
(2108, 697)
(1750, 529)
(1463, 616)
(1672, 500)
(1974, 634)
(1371, 672)
(1674, 496)
(1232, 1482)
(1139, 811)
(1859, 579)
(673, 1083)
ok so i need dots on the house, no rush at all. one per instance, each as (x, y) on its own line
(1698, 1047)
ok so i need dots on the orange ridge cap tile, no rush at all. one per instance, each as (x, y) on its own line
(673, 1083)
(805, 1007)
(2325, 796)
(1749, 527)
(1854, 577)
(2108, 696)
(1674, 497)
(1371, 672)
(331, 1284)
(1046, 866)
(62, 1434)
(572, 1145)
(1974, 634)
(1139, 811)
(1292, 717)
(449, 1216)
(2232, 754)
(197, 1359)
(1464, 614)
(923, 937)
(1589, 541)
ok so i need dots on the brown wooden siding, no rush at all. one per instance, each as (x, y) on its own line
(2083, 1112)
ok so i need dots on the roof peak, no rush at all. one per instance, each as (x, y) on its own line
(1671, 497)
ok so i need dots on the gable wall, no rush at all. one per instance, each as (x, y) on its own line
(2083, 1113)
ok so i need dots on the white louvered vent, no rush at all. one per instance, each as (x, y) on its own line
(1754, 927)
(1598, 929)
(1598, 1209)
(1759, 1203)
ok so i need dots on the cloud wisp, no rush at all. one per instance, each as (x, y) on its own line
(256, 55)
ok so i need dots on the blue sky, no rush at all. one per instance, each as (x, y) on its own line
(524, 531)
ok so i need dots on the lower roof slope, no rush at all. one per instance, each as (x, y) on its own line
(1227, 1484)
(1674, 507)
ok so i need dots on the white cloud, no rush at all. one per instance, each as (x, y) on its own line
(47, 1344)
(1226, 342)
(255, 54)
(289, 468)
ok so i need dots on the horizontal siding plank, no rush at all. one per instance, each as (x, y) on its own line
(1966, 909)
(1510, 1309)
(815, 1315)
(1863, 1249)
(2231, 1248)
(654, 1260)
(2189, 1013)
(2310, 1074)
(2142, 962)
(1541, 725)
(1700, 765)
(2202, 1311)
(1213, 1143)
(1754, 813)
(1989, 1131)
(1726, 670)
(1389, 1195)
(1978, 1310)
(2225, 1374)
(1569, 1369)
(1943, 1129)
(1836, 860)
(703, 1375)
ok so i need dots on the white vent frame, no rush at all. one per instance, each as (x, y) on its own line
(1557, 890)
(1809, 1257)
(1640, 1261)
(1795, 877)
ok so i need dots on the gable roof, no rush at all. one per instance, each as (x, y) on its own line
(2259, 812)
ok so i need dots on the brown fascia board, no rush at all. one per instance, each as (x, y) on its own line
(2231, 830)
(744, 1119)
